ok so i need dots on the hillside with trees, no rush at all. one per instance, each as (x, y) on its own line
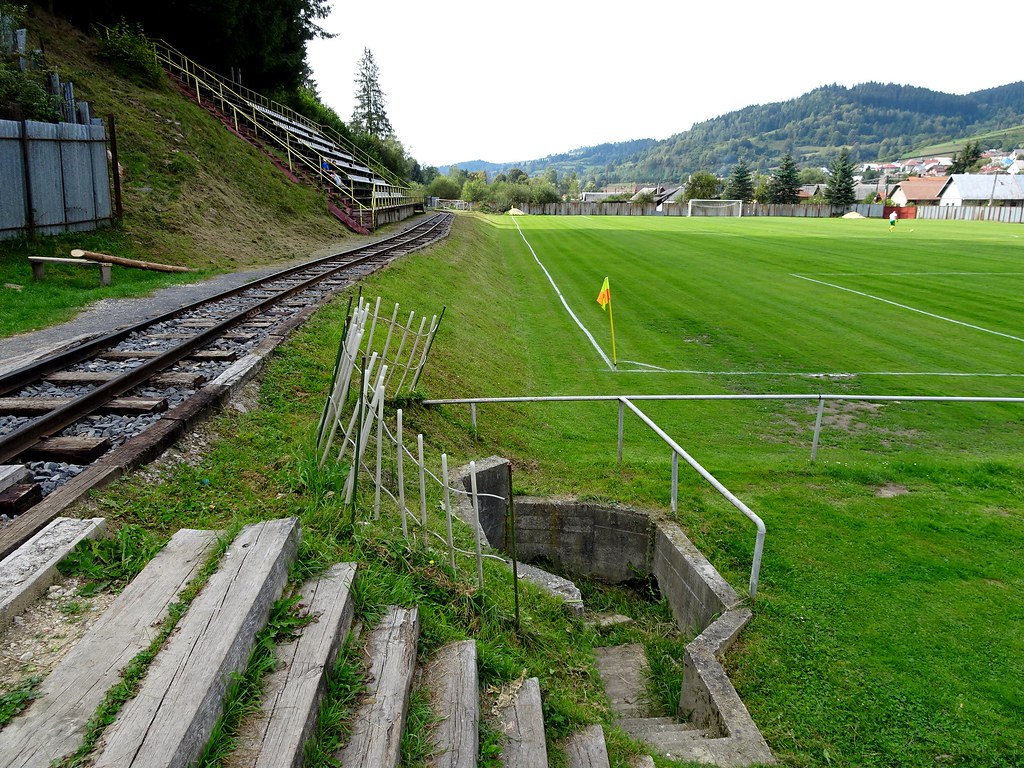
(873, 121)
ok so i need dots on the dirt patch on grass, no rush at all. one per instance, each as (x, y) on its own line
(889, 490)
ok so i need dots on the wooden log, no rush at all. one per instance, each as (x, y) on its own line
(26, 573)
(292, 693)
(378, 724)
(453, 683)
(522, 722)
(171, 717)
(104, 258)
(53, 725)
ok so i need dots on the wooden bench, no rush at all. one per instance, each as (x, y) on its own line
(39, 266)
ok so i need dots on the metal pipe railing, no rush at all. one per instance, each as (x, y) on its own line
(624, 402)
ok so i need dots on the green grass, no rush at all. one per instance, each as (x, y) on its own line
(886, 630)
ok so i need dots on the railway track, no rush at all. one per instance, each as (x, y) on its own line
(78, 419)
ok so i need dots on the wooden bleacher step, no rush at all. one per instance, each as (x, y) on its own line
(171, 717)
(522, 723)
(390, 654)
(292, 694)
(28, 571)
(453, 683)
(587, 749)
(53, 725)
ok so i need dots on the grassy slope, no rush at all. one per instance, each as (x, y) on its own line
(193, 194)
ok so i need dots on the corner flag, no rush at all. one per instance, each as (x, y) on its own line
(604, 298)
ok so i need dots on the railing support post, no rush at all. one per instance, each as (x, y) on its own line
(675, 482)
(622, 419)
(817, 428)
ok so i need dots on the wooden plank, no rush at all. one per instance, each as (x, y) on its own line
(19, 498)
(12, 474)
(35, 406)
(72, 450)
(217, 355)
(522, 723)
(80, 377)
(452, 680)
(587, 749)
(171, 717)
(292, 694)
(179, 380)
(26, 573)
(378, 723)
(53, 725)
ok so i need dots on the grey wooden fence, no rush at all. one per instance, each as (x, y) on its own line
(1007, 214)
(54, 177)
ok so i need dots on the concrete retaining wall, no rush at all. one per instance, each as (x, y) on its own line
(615, 544)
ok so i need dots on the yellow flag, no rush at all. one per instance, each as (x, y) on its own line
(604, 298)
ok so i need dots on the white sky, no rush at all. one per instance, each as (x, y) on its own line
(511, 81)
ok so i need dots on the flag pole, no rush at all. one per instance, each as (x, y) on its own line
(611, 322)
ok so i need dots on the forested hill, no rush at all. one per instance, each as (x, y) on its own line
(874, 120)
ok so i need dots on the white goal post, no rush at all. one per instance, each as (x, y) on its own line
(714, 207)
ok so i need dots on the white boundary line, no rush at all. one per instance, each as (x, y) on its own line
(835, 375)
(914, 274)
(911, 309)
(565, 304)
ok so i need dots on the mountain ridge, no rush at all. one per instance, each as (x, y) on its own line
(874, 121)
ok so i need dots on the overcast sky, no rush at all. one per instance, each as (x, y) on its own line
(508, 81)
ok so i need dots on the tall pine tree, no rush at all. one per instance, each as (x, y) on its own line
(369, 115)
(741, 183)
(784, 186)
(839, 191)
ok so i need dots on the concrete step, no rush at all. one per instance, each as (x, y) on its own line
(171, 717)
(53, 725)
(390, 655)
(623, 670)
(452, 681)
(644, 727)
(292, 693)
(586, 748)
(522, 722)
(28, 571)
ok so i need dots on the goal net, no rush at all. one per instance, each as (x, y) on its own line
(714, 208)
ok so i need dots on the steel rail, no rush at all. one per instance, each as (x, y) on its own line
(21, 439)
(21, 377)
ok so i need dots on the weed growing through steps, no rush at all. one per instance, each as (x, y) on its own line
(344, 685)
(243, 694)
(111, 561)
(15, 701)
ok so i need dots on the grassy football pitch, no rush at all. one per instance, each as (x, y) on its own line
(889, 625)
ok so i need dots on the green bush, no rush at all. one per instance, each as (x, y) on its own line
(130, 53)
(27, 90)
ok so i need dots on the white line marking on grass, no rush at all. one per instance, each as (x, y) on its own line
(912, 274)
(847, 375)
(912, 309)
(565, 304)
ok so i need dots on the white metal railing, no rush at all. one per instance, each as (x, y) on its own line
(625, 401)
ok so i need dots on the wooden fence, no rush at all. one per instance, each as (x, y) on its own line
(55, 178)
(1008, 215)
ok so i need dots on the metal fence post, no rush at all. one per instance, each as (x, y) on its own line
(675, 482)
(817, 428)
(622, 416)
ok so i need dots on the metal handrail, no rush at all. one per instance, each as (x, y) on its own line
(677, 451)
